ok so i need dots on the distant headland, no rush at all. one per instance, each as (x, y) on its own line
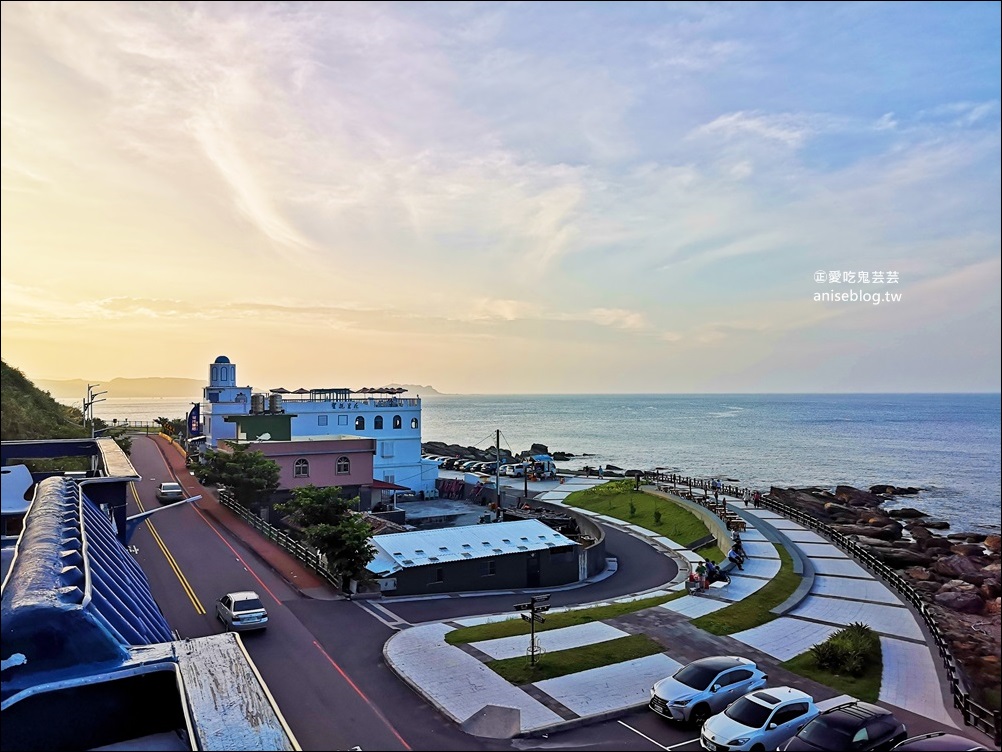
(158, 387)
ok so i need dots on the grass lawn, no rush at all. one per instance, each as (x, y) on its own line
(512, 627)
(676, 522)
(866, 686)
(755, 609)
(549, 665)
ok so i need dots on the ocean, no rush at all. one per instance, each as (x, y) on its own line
(945, 444)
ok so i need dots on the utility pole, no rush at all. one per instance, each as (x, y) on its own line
(497, 466)
(536, 606)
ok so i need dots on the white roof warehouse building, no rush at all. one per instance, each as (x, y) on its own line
(496, 556)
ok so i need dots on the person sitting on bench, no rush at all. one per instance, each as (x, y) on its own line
(713, 573)
(739, 546)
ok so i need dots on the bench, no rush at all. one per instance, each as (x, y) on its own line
(736, 523)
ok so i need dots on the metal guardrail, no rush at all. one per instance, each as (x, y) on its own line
(984, 719)
(309, 556)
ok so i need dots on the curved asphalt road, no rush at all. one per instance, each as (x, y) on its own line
(322, 660)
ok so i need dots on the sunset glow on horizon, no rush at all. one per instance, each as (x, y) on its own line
(505, 198)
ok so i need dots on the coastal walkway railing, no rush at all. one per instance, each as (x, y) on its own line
(719, 507)
(309, 556)
(975, 714)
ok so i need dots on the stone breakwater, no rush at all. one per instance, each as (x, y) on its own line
(958, 574)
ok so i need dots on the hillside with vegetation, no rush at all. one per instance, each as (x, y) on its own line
(26, 412)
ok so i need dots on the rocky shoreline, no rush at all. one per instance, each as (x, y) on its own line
(957, 574)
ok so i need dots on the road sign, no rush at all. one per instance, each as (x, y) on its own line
(523, 606)
(539, 617)
(540, 598)
(540, 608)
(527, 617)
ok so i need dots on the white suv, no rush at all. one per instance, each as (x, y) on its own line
(704, 687)
(761, 720)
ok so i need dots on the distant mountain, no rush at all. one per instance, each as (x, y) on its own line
(149, 387)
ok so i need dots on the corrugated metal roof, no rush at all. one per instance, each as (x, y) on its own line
(422, 547)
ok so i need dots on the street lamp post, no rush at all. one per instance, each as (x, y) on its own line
(90, 400)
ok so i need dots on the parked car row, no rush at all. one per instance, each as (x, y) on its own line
(468, 466)
(728, 698)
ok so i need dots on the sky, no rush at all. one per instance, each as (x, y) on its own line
(505, 197)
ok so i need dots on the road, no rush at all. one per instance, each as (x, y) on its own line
(322, 660)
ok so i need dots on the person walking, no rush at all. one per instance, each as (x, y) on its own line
(746, 497)
(757, 499)
(601, 472)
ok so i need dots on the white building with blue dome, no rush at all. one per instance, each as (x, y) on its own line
(383, 414)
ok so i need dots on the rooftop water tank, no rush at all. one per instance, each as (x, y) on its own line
(275, 403)
(257, 404)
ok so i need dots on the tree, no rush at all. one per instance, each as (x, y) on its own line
(251, 476)
(329, 523)
(171, 426)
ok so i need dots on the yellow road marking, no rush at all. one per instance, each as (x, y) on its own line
(185, 585)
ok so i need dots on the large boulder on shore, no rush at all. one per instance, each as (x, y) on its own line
(901, 557)
(967, 603)
(869, 531)
(906, 512)
(956, 566)
(993, 543)
(856, 498)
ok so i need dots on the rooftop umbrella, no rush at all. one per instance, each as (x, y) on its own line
(281, 390)
(301, 390)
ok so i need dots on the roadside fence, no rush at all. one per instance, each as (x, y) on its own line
(306, 554)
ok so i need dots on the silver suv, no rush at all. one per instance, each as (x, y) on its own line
(705, 687)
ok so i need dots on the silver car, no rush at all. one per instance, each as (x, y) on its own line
(168, 493)
(705, 687)
(241, 611)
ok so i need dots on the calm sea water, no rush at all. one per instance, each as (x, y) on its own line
(946, 444)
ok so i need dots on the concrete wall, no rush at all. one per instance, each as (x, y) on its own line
(713, 523)
(556, 567)
(594, 554)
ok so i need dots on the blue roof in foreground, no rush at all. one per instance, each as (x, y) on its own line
(74, 595)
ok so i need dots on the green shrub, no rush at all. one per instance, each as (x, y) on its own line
(847, 651)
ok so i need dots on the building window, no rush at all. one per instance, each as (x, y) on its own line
(439, 575)
(360, 423)
(414, 423)
(377, 423)
(302, 469)
(489, 568)
(321, 420)
(386, 449)
(398, 422)
(343, 466)
(342, 420)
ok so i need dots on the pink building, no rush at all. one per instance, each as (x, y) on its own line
(320, 461)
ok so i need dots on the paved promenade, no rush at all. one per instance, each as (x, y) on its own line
(838, 592)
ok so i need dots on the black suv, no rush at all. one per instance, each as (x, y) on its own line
(857, 726)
